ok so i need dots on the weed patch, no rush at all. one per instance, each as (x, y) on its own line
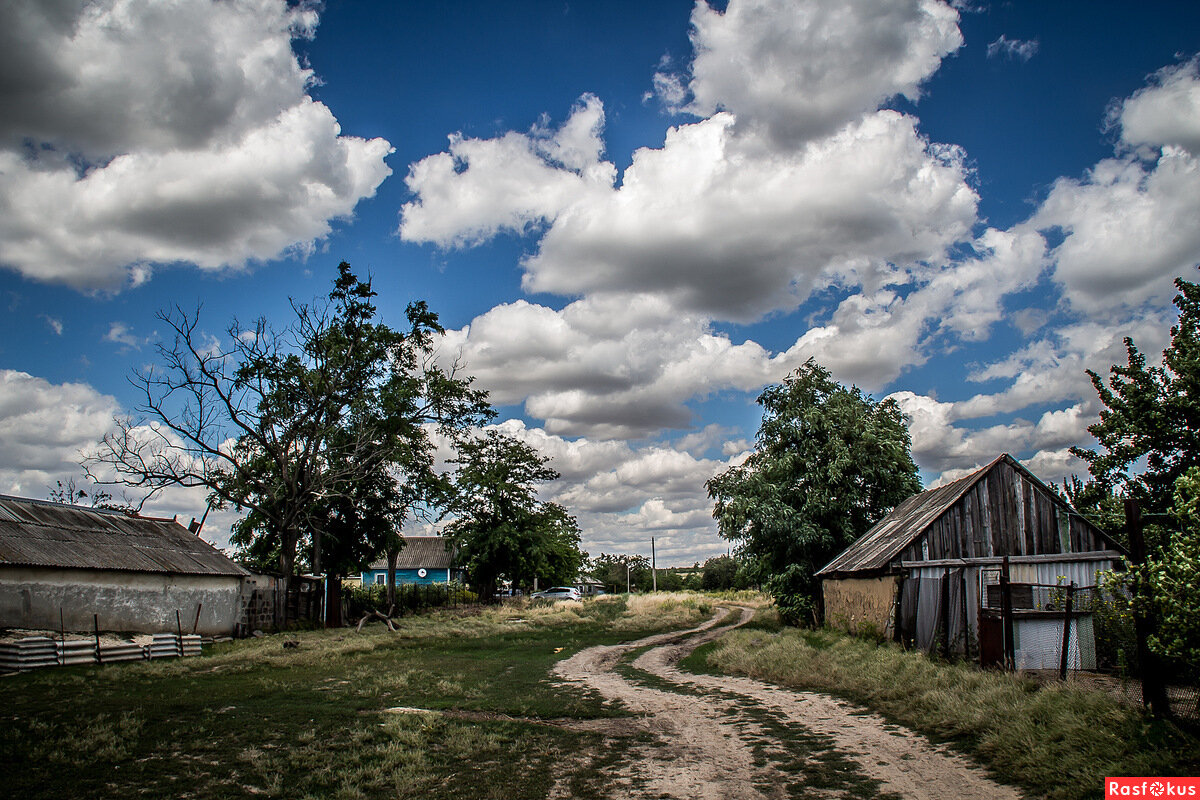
(1058, 741)
(253, 717)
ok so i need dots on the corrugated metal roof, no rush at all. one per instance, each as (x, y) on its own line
(37, 533)
(878, 546)
(430, 552)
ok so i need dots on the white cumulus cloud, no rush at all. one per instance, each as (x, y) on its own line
(480, 187)
(152, 133)
(804, 70)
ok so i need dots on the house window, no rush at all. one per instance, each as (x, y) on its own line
(380, 579)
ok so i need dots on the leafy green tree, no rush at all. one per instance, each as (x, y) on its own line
(1173, 576)
(612, 569)
(615, 570)
(669, 580)
(288, 425)
(720, 573)
(829, 462)
(502, 530)
(1151, 415)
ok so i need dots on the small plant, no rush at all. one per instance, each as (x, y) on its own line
(1116, 644)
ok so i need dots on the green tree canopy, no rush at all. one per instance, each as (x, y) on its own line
(1151, 417)
(720, 573)
(1173, 576)
(829, 462)
(307, 428)
(503, 531)
(612, 569)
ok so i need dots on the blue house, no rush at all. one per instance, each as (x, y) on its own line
(423, 560)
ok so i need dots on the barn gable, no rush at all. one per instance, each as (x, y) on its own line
(999, 510)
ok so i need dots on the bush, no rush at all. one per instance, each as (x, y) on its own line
(1116, 644)
(410, 598)
(793, 597)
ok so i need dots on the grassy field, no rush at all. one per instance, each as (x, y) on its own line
(328, 717)
(1057, 741)
(253, 718)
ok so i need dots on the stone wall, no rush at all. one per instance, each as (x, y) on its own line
(137, 602)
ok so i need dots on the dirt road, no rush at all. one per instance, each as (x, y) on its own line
(723, 738)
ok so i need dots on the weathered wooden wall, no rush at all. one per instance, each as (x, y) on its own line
(1005, 514)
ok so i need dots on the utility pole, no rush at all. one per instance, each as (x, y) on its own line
(653, 564)
(627, 576)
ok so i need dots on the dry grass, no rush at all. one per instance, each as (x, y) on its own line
(1058, 740)
(255, 718)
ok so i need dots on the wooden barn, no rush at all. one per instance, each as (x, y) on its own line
(929, 574)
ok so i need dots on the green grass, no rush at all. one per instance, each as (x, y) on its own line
(254, 718)
(1058, 741)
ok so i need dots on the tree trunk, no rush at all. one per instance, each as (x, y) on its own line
(393, 556)
(316, 563)
(287, 565)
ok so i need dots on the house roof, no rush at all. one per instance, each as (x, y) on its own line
(430, 552)
(37, 533)
(895, 532)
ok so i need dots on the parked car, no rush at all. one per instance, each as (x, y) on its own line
(557, 593)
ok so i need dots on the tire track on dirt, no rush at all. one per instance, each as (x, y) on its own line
(709, 747)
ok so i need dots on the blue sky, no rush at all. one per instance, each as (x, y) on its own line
(629, 216)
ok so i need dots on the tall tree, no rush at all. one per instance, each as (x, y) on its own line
(282, 424)
(503, 531)
(1173, 577)
(829, 462)
(617, 570)
(1151, 415)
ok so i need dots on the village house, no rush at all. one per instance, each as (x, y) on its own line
(423, 560)
(929, 573)
(79, 568)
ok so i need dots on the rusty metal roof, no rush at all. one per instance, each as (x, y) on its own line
(430, 552)
(878, 546)
(37, 533)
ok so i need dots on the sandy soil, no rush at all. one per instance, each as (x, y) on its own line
(707, 741)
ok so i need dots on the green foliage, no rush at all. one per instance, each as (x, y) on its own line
(829, 463)
(1151, 414)
(1174, 582)
(358, 600)
(611, 569)
(720, 573)
(1058, 741)
(503, 530)
(1112, 605)
(301, 428)
(362, 396)
(1152, 418)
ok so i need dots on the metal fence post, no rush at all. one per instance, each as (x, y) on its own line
(1154, 690)
(1066, 638)
(1006, 612)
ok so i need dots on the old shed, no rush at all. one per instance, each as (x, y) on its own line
(929, 572)
(68, 565)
